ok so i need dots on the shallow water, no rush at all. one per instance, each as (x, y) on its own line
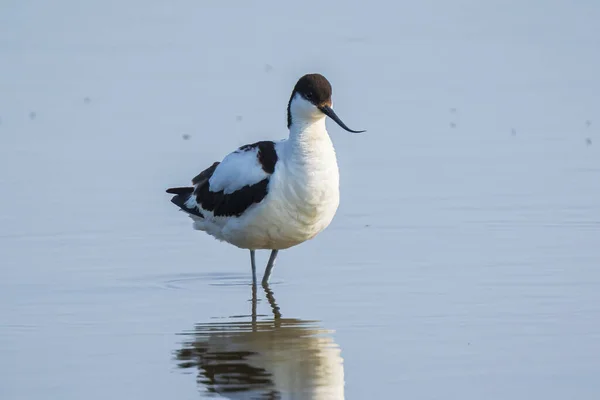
(264, 356)
(463, 261)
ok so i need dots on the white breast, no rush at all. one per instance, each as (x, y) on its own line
(303, 195)
(312, 188)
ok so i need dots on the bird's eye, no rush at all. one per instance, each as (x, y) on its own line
(309, 95)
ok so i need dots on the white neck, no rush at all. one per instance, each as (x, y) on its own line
(308, 129)
(307, 122)
(309, 140)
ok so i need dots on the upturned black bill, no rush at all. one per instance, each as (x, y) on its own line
(329, 112)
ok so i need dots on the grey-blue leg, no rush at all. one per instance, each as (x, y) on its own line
(253, 262)
(270, 266)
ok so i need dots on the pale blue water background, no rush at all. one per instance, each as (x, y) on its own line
(464, 261)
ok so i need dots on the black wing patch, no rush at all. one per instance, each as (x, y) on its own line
(267, 156)
(231, 204)
(205, 175)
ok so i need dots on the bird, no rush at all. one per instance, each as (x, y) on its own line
(272, 195)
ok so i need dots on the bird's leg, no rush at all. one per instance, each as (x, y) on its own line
(253, 262)
(270, 265)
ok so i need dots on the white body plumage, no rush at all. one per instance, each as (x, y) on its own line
(273, 195)
(303, 191)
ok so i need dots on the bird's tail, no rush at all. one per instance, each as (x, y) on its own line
(182, 194)
(181, 190)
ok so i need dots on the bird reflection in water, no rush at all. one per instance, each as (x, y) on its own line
(271, 358)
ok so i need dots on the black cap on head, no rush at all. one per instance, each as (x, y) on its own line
(316, 89)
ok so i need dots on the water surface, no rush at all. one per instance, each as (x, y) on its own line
(463, 260)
